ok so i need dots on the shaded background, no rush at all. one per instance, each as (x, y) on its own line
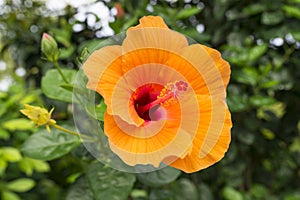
(260, 39)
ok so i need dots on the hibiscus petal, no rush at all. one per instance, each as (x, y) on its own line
(149, 144)
(150, 21)
(205, 151)
(98, 63)
(222, 65)
(155, 38)
(200, 70)
(103, 71)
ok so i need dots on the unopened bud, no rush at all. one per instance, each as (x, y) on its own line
(120, 11)
(49, 48)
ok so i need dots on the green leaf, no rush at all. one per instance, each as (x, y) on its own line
(265, 69)
(272, 18)
(21, 185)
(253, 9)
(66, 52)
(205, 192)
(27, 165)
(73, 177)
(267, 112)
(247, 76)
(294, 1)
(185, 189)
(107, 183)
(138, 194)
(237, 103)
(87, 47)
(8, 195)
(181, 189)
(18, 124)
(28, 99)
(259, 191)
(295, 146)
(163, 194)
(3, 95)
(96, 111)
(296, 35)
(53, 84)
(40, 166)
(10, 154)
(128, 23)
(4, 134)
(187, 12)
(292, 11)
(80, 190)
(261, 100)
(257, 51)
(270, 84)
(267, 133)
(230, 193)
(195, 35)
(3, 166)
(295, 196)
(246, 137)
(159, 177)
(48, 146)
(62, 35)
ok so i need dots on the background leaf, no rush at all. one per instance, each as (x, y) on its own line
(272, 18)
(107, 183)
(53, 84)
(80, 190)
(7, 195)
(187, 12)
(292, 11)
(230, 193)
(21, 185)
(160, 177)
(10, 154)
(261, 100)
(181, 189)
(48, 146)
(18, 124)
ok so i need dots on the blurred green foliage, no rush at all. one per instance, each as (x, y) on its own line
(260, 39)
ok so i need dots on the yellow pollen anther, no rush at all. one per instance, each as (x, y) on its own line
(172, 92)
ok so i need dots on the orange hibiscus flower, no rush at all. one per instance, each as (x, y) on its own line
(165, 98)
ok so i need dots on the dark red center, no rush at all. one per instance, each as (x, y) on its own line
(145, 95)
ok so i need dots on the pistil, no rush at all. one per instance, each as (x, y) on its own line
(168, 96)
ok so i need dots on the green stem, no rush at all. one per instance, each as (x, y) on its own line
(84, 138)
(65, 130)
(60, 72)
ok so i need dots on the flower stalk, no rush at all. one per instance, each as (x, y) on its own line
(60, 72)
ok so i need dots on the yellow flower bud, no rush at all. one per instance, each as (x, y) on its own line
(39, 116)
